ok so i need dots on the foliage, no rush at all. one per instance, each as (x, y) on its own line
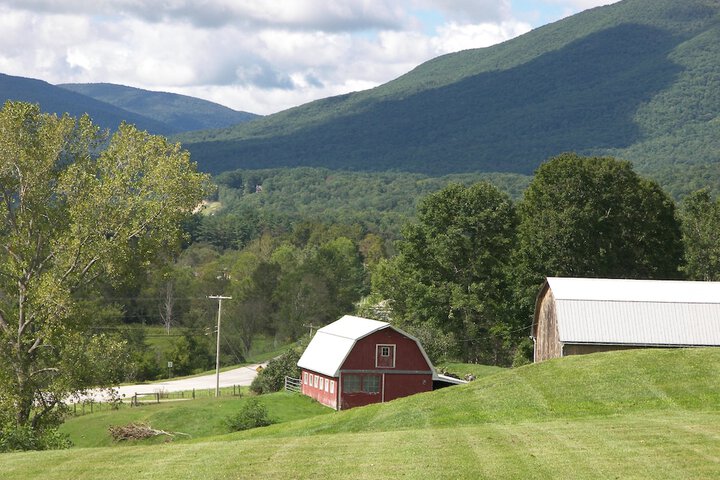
(272, 377)
(71, 215)
(594, 217)
(700, 217)
(190, 354)
(252, 414)
(15, 438)
(452, 269)
(289, 198)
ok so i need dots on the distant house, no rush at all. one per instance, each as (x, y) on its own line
(584, 315)
(356, 361)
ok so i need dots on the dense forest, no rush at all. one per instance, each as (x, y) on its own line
(456, 260)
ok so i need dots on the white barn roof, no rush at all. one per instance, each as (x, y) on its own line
(639, 312)
(331, 344)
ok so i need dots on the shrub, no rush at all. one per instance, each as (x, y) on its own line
(252, 414)
(272, 377)
(14, 438)
(523, 353)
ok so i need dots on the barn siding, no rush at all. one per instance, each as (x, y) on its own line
(407, 353)
(402, 385)
(547, 340)
(411, 374)
(582, 349)
(327, 395)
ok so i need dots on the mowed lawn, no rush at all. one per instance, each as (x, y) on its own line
(641, 414)
(187, 419)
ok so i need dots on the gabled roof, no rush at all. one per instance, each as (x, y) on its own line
(331, 344)
(637, 312)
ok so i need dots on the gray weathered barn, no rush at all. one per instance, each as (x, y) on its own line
(575, 316)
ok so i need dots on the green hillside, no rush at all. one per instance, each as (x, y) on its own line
(59, 100)
(633, 414)
(639, 79)
(181, 112)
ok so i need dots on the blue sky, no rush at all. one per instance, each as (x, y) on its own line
(261, 56)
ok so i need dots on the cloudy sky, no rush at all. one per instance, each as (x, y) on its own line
(260, 56)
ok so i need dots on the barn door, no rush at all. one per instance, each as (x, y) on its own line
(385, 356)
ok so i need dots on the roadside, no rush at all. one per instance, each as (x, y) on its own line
(242, 376)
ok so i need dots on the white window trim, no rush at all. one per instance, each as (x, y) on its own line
(305, 378)
(377, 353)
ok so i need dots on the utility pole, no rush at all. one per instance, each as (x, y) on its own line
(311, 327)
(219, 298)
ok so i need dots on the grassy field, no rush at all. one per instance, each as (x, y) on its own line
(634, 414)
(462, 369)
(194, 418)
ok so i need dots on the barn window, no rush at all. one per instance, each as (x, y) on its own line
(315, 383)
(305, 378)
(311, 379)
(327, 384)
(322, 383)
(332, 386)
(371, 384)
(385, 356)
(351, 383)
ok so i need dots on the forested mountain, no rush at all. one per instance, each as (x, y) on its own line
(183, 113)
(59, 100)
(109, 105)
(639, 79)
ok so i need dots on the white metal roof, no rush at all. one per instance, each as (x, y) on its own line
(621, 290)
(644, 312)
(331, 344)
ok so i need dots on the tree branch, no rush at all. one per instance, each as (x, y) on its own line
(44, 370)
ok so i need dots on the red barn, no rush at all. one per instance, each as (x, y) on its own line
(356, 361)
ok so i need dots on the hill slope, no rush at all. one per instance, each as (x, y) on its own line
(59, 100)
(181, 112)
(632, 414)
(639, 79)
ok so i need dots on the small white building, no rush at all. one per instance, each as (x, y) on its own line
(584, 315)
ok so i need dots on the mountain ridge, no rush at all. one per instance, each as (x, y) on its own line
(109, 105)
(603, 82)
(170, 108)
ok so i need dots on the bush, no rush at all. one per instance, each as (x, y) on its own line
(253, 414)
(272, 378)
(14, 438)
(523, 353)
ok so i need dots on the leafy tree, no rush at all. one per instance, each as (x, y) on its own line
(595, 217)
(70, 215)
(190, 354)
(700, 216)
(272, 378)
(451, 272)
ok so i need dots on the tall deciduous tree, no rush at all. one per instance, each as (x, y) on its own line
(451, 273)
(71, 214)
(700, 216)
(595, 217)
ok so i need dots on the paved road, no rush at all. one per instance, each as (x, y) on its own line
(239, 376)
